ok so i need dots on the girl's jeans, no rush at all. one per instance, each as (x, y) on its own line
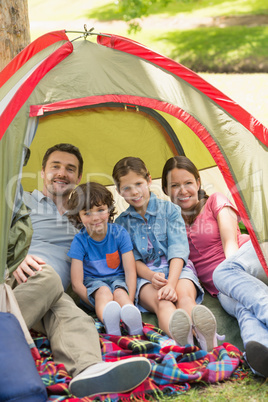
(244, 296)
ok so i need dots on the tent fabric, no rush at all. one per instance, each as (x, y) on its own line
(19, 238)
(132, 47)
(29, 85)
(116, 98)
(28, 53)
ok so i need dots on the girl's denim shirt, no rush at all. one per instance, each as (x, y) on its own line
(163, 225)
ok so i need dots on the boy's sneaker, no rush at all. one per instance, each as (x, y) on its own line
(257, 358)
(111, 318)
(131, 316)
(110, 378)
(180, 328)
(205, 327)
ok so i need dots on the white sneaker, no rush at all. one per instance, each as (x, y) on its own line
(131, 316)
(111, 378)
(180, 328)
(111, 318)
(205, 327)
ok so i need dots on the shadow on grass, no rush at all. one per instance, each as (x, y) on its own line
(232, 49)
(111, 11)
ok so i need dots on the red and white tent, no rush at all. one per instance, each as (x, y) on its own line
(116, 98)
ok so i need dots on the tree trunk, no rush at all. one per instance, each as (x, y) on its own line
(14, 29)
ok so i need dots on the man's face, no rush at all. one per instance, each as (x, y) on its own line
(60, 175)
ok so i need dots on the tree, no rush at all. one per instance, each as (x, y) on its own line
(134, 9)
(14, 29)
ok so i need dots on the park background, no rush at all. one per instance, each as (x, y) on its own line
(226, 42)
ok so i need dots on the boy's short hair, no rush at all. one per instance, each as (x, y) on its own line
(84, 197)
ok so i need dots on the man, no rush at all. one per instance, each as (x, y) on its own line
(40, 288)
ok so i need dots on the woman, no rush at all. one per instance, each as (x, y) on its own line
(225, 260)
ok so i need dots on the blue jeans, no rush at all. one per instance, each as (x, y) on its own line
(244, 296)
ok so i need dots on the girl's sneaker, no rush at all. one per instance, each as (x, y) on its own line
(131, 316)
(180, 328)
(205, 327)
(111, 318)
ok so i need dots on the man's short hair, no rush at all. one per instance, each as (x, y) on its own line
(71, 149)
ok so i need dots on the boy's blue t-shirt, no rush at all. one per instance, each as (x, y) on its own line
(101, 258)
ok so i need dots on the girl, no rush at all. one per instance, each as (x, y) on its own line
(161, 252)
(225, 260)
(103, 271)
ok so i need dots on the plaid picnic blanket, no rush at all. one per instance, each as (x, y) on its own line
(174, 368)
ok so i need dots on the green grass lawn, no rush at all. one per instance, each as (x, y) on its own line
(251, 389)
(218, 50)
(212, 49)
(107, 10)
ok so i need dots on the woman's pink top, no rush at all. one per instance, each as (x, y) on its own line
(206, 251)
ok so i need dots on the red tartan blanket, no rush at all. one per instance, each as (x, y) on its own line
(174, 368)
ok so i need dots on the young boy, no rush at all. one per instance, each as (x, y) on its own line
(103, 268)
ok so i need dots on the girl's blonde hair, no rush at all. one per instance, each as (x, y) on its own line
(84, 197)
(129, 164)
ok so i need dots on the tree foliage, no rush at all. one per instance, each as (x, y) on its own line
(132, 10)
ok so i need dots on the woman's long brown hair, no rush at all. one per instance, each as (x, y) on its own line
(182, 162)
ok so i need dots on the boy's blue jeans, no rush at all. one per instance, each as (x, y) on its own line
(244, 296)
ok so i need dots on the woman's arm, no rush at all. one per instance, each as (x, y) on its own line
(77, 276)
(227, 222)
(129, 266)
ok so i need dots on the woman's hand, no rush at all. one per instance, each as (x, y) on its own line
(159, 280)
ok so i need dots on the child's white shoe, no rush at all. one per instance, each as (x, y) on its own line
(205, 327)
(111, 318)
(180, 328)
(131, 316)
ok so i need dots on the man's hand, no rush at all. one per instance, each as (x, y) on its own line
(167, 292)
(28, 266)
(159, 280)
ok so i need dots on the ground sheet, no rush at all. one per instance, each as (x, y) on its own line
(174, 368)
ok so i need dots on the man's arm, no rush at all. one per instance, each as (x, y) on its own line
(27, 267)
